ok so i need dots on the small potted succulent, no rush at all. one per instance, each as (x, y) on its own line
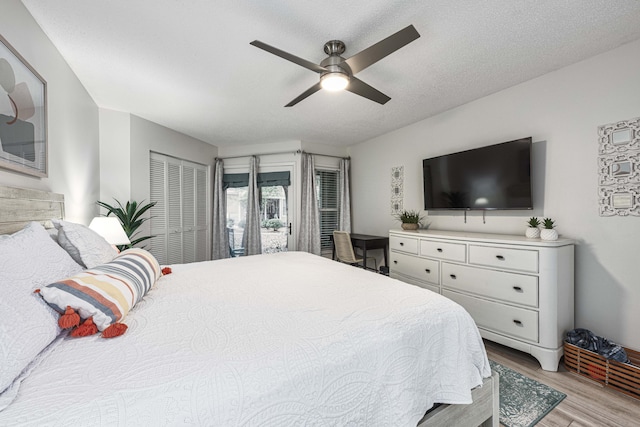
(533, 232)
(410, 219)
(548, 232)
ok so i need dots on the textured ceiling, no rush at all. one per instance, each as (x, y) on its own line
(188, 65)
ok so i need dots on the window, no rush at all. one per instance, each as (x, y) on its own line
(327, 188)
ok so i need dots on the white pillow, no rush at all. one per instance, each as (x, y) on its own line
(29, 259)
(85, 246)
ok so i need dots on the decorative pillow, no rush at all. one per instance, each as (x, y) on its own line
(84, 245)
(105, 293)
(28, 259)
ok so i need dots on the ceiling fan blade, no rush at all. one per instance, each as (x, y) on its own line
(359, 87)
(289, 57)
(376, 52)
(313, 89)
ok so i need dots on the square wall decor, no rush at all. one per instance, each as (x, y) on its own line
(619, 168)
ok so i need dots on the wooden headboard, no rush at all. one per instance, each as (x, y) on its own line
(18, 206)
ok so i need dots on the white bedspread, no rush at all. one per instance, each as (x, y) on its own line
(288, 339)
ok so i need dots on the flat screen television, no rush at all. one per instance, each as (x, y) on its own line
(492, 177)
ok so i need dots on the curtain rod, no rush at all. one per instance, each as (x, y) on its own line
(282, 152)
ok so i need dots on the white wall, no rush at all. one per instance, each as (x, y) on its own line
(562, 111)
(148, 136)
(74, 168)
(126, 141)
(115, 156)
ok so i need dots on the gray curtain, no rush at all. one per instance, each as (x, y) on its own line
(344, 222)
(251, 239)
(309, 235)
(220, 240)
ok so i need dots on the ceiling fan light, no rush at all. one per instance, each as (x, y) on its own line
(334, 82)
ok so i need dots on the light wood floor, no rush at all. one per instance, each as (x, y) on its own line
(586, 404)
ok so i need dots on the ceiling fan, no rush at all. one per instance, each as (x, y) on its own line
(337, 73)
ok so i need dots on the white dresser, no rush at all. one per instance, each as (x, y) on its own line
(519, 291)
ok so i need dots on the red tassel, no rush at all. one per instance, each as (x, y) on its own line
(86, 329)
(166, 270)
(114, 330)
(69, 319)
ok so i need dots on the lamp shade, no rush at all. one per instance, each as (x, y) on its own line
(111, 229)
(334, 82)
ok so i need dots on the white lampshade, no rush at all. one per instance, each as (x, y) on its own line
(111, 229)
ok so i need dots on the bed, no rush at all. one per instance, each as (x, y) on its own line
(285, 339)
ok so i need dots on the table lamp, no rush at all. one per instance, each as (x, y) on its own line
(111, 229)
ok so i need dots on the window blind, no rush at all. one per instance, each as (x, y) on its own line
(266, 179)
(327, 186)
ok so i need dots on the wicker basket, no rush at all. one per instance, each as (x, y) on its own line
(619, 376)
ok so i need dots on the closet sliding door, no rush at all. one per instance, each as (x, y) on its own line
(180, 218)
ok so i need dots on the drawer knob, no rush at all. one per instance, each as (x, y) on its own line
(517, 322)
(500, 257)
(439, 249)
(401, 243)
(427, 270)
(453, 276)
(517, 288)
(395, 262)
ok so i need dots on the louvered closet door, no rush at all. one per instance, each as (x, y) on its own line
(188, 214)
(158, 244)
(180, 217)
(202, 224)
(174, 214)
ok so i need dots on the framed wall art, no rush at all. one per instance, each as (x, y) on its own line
(23, 114)
(619, 168)
(397, 189)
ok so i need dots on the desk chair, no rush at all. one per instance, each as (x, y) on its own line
(344, 250)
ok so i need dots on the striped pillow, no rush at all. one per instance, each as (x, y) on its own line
(106, 292)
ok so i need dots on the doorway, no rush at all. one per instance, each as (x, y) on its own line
(275, 219)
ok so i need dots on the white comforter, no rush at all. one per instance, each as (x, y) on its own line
(288, 339)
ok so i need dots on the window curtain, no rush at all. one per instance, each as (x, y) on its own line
(220, 240)
(309, 235)
(344, 222)
(251, 239)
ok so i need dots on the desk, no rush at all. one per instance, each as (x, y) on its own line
(366, 242)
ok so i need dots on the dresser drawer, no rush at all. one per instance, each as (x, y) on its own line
(510, 287)
(423, 269)
(513, 259)
(503, 319)
(410, 280)
(404, 244)
(443, 250)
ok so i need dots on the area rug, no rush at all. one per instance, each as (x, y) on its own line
(523, 401)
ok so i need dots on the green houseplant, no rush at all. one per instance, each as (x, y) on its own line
(130, 216)
(548, 232)
(410, 219)
(533, 232)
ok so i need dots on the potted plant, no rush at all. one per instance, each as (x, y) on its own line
(130, 216)
(533, 232)
(548, 233)
(410, 219)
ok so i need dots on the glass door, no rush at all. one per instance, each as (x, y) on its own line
(275, 221)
